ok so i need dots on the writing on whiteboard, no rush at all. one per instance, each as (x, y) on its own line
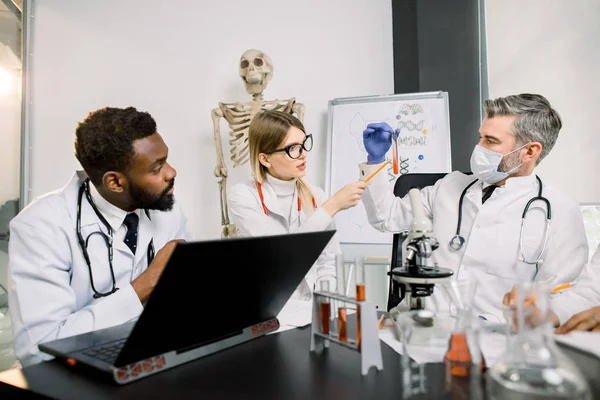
(412, 141)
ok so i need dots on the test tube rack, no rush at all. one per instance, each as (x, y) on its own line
(369, 347)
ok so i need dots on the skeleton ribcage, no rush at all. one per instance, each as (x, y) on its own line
(239, 116)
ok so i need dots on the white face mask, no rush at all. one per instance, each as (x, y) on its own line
(484, 164)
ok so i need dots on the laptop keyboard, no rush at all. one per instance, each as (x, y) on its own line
(108, 352)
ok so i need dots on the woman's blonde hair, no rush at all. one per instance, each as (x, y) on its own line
(267, 131)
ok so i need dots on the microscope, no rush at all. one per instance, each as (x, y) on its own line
(419, 273)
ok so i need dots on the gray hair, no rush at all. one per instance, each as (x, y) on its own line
(536, 120)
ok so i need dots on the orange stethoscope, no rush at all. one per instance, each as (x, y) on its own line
(262, 200)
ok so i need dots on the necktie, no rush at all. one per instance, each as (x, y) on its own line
(131, 222)
(487, 193)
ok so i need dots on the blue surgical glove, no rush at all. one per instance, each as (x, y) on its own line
(377, 138)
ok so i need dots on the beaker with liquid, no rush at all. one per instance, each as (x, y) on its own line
(464, 356)
(425, 336)
(533, 367)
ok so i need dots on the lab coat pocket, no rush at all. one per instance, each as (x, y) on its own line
(531, 251)
(509, 263)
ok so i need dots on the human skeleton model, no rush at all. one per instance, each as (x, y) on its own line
(256, 70)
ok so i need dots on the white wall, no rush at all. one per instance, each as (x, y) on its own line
(552, 47)
(177, 60)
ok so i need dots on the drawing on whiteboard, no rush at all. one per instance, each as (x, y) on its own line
(410, 125)
(357, 125)
(403, 165)
(412, 141)
(390, 172)
(412, 108)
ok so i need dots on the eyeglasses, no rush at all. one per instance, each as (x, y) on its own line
(296, 150)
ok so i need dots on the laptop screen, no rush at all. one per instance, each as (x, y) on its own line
(214, 289)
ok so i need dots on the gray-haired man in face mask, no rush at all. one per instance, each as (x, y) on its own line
(517, 133)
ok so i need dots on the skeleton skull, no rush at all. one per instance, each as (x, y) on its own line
(256, 70)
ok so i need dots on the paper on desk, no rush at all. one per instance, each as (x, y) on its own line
(493, 345)
(421, 354)
(283, 328)
(296, 313)
(585, 341)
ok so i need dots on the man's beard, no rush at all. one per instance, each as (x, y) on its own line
(141, 198)
(510, 162)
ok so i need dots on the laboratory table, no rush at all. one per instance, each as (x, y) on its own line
(277, 366)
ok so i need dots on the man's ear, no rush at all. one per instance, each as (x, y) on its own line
(114, 181)
(534, 150)
(264, 160)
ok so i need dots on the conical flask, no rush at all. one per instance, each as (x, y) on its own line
(464, 352)
(533, 367)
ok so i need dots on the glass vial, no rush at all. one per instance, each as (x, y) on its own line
(325, 308)
(359, 279)
(342, 316)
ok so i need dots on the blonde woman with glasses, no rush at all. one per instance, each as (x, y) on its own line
(278, 200)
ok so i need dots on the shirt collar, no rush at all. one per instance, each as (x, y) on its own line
(514, 182)
(282, 188)
(113, 214)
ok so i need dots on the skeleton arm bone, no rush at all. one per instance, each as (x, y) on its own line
(221, 169)
(298, 108)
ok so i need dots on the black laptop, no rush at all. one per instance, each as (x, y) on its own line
(212, 295)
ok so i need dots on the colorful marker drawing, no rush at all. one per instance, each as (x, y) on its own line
(410, 108)
(404, 165)
(411, 126)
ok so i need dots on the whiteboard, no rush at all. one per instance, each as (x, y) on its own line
(423, 146)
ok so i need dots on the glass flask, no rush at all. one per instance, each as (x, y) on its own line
(425, 336)
(464, 352)
(533, 367)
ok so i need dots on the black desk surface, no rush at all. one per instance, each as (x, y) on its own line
(277, 366)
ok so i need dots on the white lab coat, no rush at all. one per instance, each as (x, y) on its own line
(491, 232)
(584, 295)
(249, 218)
(50, 296)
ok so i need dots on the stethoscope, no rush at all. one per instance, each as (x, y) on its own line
(266, 210)
(108, 239)
(457, 242)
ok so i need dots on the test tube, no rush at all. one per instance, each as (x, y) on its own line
(395, 151)
(395, 155)
(341, 306)
(359, 279)
(325, 308)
